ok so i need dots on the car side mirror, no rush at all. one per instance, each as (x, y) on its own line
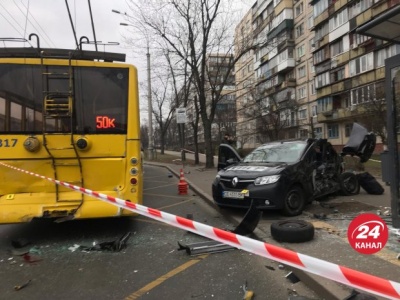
(231, 161)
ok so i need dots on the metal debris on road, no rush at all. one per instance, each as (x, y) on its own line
(292, 277)
(205, 247)
(248, 295)
(114, 246)
(19, 287)
(250, 221)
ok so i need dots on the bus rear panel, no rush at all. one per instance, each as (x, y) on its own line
(72, 120)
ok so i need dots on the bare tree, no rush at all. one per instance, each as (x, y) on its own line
(164, 107)
(273, 115)
(374, 111)
(192, 30)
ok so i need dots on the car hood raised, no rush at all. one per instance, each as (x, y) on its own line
(247, 170)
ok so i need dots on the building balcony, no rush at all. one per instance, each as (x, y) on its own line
(340, 114)
(286, 65)
(286, 24)
(285, 44)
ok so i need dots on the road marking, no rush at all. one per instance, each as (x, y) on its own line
(166, 196)
(159, 186)
(147, 288)
(175, 204)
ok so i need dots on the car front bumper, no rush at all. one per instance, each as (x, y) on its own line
(268, 196)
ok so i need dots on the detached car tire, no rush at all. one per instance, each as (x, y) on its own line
(294, 202)
(349, 184)
(292, 231)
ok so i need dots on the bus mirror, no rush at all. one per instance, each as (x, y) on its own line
(32, 144)
(82, 143)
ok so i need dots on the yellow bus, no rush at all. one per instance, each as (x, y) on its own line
(73, 116)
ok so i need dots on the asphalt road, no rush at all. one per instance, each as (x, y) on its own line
(150, 267)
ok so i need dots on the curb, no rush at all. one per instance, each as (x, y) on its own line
(326, 289)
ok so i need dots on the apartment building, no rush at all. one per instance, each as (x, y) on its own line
(244, 80)
(314, 76)
(279, 103)
(350, 68)
(223, 80)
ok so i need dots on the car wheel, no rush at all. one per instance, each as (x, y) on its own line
(294, 202)
(292, 231)
(349, 184)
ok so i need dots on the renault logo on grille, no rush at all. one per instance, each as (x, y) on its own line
(235, 181)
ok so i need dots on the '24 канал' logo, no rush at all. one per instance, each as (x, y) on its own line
(368, 233)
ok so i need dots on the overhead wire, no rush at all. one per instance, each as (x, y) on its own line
(26, 18)
(49, 41)
(12, 17)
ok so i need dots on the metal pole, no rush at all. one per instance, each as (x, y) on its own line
(150, 107)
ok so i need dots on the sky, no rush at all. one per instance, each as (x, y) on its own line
(50, 20)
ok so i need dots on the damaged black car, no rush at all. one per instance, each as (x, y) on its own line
(286, 175)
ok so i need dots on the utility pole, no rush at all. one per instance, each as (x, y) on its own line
(150, 107)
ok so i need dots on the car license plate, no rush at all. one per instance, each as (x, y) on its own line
(233, 195)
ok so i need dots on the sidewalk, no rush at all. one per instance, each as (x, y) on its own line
(326, 245)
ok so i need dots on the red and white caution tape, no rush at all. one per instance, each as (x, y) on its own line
(350, 277)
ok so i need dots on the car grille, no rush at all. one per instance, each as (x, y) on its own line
(242, 184)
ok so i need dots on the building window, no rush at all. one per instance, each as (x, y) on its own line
(358, 7)
(337, 48)
(310, 22)
(347, 129)
(324, 104)
(302, 92)
(303, 133)
(320, 7)
(333, 131)
(367, 93)
(338, 75)
(321, 55)
(303, 114)
(301, 51)
(322, 80)
(312, 88)
(314, 110)
(299, 30)
(338, 20)
(299, 9)
(301, 71)
(318, 132)
(362, 64)
(311, 67)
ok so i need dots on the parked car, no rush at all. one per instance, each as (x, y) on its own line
(285, 175)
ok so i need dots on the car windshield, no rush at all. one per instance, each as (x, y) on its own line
(283, 152)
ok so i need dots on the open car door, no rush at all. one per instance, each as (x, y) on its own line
(361, 143)
(227, 156)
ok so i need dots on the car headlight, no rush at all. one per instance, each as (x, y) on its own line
(266, 180)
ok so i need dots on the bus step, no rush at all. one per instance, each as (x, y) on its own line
(57, 94)
(57, 107)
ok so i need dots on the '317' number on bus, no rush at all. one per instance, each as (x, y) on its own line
(8, 142)
(105, 122)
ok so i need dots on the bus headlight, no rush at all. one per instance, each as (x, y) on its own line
(133, 171)
(32, 144)
(266, 180)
